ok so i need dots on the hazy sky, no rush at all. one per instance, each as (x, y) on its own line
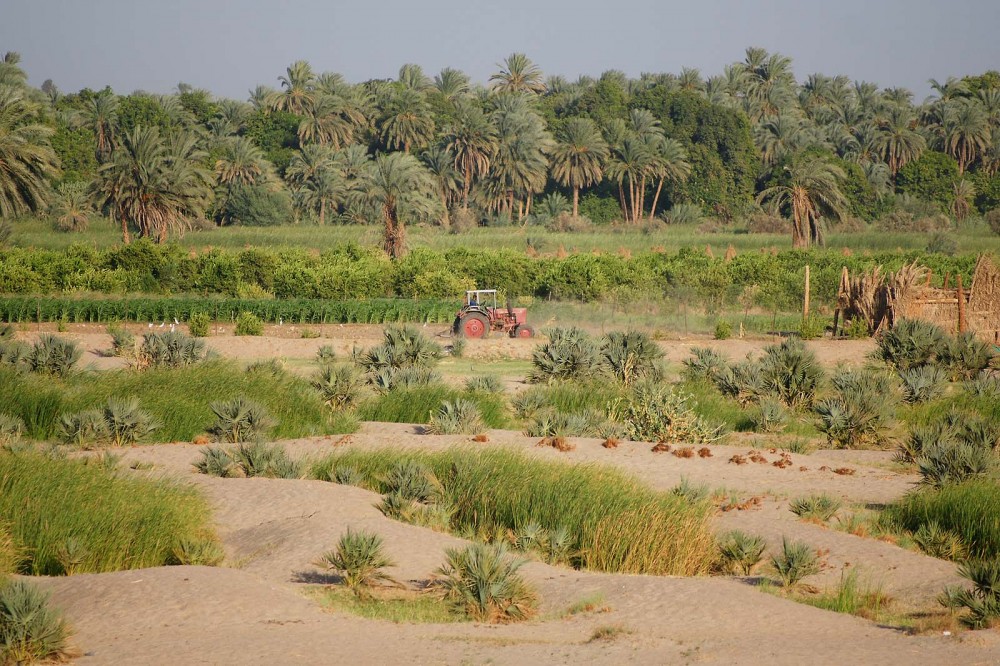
(230, 46)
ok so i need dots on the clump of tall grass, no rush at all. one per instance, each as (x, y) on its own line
(768, 416)
(617, 524)
(456, 417)
(359, 560)
(652, 412)
(122, 522)
(483, 580)
(341, 386)
(122, 341)
(967, 510)
(326, 355)
(30, 630)
(389, 379)
(568, 354)
(11, 428)
(815, 507)
(852, 596)
(416, 405)
(204, 552)
(484, 384)
(52, 355)
(936, 541)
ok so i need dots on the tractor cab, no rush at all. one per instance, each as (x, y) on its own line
(480, 315)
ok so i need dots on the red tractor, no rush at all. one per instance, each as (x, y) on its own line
(480, 316)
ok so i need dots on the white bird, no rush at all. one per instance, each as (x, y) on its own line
(281, 322)
(176, 323)
(172, 327)
(151, 324)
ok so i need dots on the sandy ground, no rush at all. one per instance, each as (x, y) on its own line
(253, 610)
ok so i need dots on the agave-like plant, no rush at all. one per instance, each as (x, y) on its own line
(413, 481)
(943, 464)
(795, 561)
(982, 601)
(258, 458)
(83, 428)
(484, 384)
(402, 347)
(216, 461)
(52, 355)
(923, 383)
(964, 356)
(705, 363)
(359, 559)
(910, 343)
(240, 420)
(484, 581)
(862, 410)
(171, 349)
(743, 382)
(791, 372)
(630, 356)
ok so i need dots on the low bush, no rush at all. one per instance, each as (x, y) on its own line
(484, 384)
(862, 410)
(795, 561)
(484, 581)
(240, 420)
(359, 559)
(723, 330)
(456, 417)
(630, 356)
(964, 356)
(616, 523)
(982, 600)
(657, 413)
(122, 342)
(341, 387)
(791, 372)
(569, 353)
(705, 364)
(922, 384)
(30, 630)
(121, 522)
(266, 460)
(204, 552)
(740, 552)
(768, 416)
(815, 507)
(942, 464)
(170, 349)
(52, 355)
(248, 323)
(199, 324)
(402, 347)
(909, 344)
(935, 541)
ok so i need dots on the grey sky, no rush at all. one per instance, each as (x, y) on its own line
(230, 46)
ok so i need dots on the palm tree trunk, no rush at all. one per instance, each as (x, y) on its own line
(621, 200)
(126, 237)
(465, 188)
(642, 195)
(798, 237)
(322, 212)
(656, 197)
(576, 201)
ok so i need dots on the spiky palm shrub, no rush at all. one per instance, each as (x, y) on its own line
(982, 601)
(570, 353)
(690, 491)
(705, 364)
(126, 423)
(240, 420)
(769, 416)
(791, 372)
(484, 384)
(457, 417)
(964, 356)
(413, 481)
(83, 428)
(400, 379)
(71, 554)
(359, 560)
(817, 507)
(656, 413)
(740, 552)
(11, 428)
(402, 347)
(528, 403)
(795, 561)
(862, 410)
(936, 541)
(744, 382)
(52, 355)
(30, 631)
(122, 342)
(341, 386)
(922, 384)
(216, 461)
(14, 354)
(267, 460)
(484, 581)
(911, 343)
(986, 385)
(198, 552)
(631, 356)
(943, 464)
(551, 423)
(559, 546)
(170, 349)
(325, 355)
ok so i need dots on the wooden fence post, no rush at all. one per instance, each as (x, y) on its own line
(805, 302)
(961, 305)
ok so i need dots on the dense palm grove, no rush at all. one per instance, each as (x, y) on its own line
(751, 141)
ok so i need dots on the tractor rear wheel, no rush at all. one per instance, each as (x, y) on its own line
(522, 331)
(474, 325)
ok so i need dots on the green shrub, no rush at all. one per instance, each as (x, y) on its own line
(125, 422)
(170, 349)
(51, 355)
(402, 347)
(484, 581)
(247, 323)
(456, 417)
(457, 348)
(199, 324)
(816, 507)
(935, 541)
(202, 552)
(341, 387)
(982, 601)
(122, 522)
(484, 384)
(657, 413)
(944, 463)
(768, 416)
(791, 372)
(857, 329)
(811, 328)
(705, 364)
(240, 420)
(326, 355)
(122, 342)
(569, 353)
(862, 410)
(795, 561)
(968, 510)
(744, 382)
(267, 460)
(11, 428)
(690, 491)
(922, 384)
(416, 405)
(964, 356)
(359, 559)
(723, 330)
(910, 343)
(617, 524)
(216, 461)
(986, 385)
(740, 552)
(30, 631)
(83, 428)
(630, 356)
(256, 206)
(389, 378)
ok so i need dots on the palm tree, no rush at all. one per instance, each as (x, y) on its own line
(898, 142)
(102, 117)
(578, 157)
(308, 171)
(690, 80)
(331, 120)
(471, 138)
(964, 192)
(11, 73)
(27, 161)
(399, 187)
(298, 89)
(241, 163)
(518, 75)
(441, 166)
(812, 188)
(451, 83)
(629, 165)
(669, 163)
(153, 184)
(966, 131)
(407, 122)
(412, 76)
(519, 168)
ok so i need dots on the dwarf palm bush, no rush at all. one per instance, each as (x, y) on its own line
(690, 491)
(14, 354)
(267, 460)
(30, 631)
(413, 481)
(11, 428)
(744, 382)
(457, 417)
(484, 581)
(240, 420)
(484, 384)
(122, 342)
(126, 422)
(922, 384)
(964, 356)
(769, 416)
(359, 559)
(630, 356)
(216, 461)
(325, 355)
(71, 554)
(570, 353)
(705, 364)
(202, 552)
(170, 349)
(936, 541)
(400, 379)
(341, 387)
(791, 372)
(402, 347)
(986, 385)
(52, 355)
(818, 507)
(911, 343)
(861, 411)
(942, 464)
(982, 601)
(657, 413)
(967, 509)
(740, 552)
(795, 561)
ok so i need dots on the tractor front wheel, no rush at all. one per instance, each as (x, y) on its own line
(474, 325)
(522, 331)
